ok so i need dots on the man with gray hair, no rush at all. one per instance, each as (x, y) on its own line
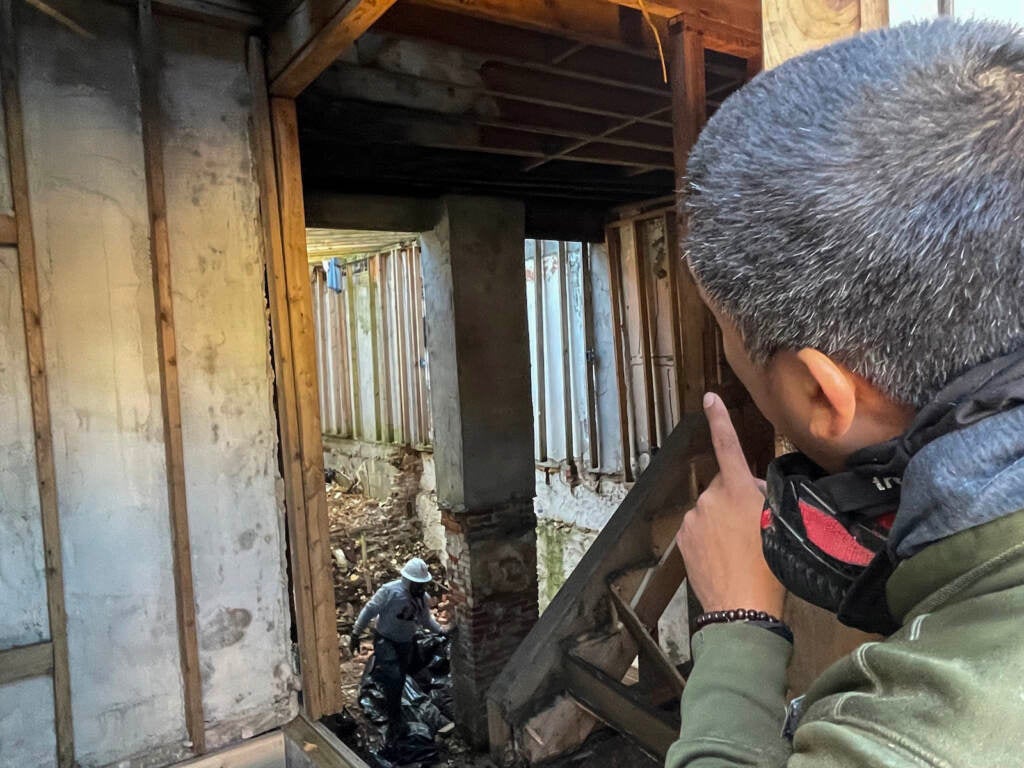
(856, 226)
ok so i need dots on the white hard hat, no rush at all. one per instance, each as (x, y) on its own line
(416, 570)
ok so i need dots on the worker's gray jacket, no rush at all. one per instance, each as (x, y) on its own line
(398, 613)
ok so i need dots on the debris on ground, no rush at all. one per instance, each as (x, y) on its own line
(370, 542)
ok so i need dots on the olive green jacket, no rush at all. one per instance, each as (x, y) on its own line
(947, 689)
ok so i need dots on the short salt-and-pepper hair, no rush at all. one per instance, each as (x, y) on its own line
(867, 200)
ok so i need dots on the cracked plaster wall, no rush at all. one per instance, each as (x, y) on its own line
(87, 190)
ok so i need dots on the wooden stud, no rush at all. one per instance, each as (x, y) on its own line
(46, 473)
(650, 651)
(686, 73)
(372, 275)
(293, 231)
(353, 350)
(25, 661)
(538, 319)
(567, 395)
(167, 354)
(284, 379)
(613, 238)
(313, 36)
(590, 354)
(646, 345)
(421, 379)
(793, 27)
(674, 267)
(387, 342)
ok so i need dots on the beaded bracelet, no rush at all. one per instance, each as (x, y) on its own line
(736, 614)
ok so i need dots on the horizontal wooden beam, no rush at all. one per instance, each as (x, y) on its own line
(377, 86)
(313, 36)
(744, 15)
(26, 661)
(8, 230)
(593, 23)
(381, 213)
(614, 703)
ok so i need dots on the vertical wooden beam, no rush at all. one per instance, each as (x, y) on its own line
(384, 282)
(792, 27)
(46, 474)
(614, 239)
(402, 339)
(538, 319)
(567, 394)
(353, 349)
(647, 348)
(284, 380)
(423, 407)
(167, 353)
(293, 234)
(686, 76)
(372, 276)
(674, 267)
(590, 355)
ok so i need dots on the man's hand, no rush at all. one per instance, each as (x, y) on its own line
(353, 644)
(720, 538)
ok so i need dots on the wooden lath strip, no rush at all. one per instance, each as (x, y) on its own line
(167, 354)
(650, 651)
(25, 661)
(287, 418)
(322, 672)
(46, 473)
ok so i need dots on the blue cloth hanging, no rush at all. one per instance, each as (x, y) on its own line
(333, 269)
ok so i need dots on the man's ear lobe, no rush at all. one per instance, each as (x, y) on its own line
(834, 404)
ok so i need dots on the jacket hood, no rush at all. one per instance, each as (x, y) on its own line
(961, 480)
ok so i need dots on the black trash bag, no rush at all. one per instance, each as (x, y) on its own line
(371, 696)
(410, 745)
(418, 707)
(441, 696)
(342, 724)
(435, 653)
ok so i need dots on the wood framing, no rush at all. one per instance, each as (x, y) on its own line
(167, 357)
(26, 661)
(312, 535)
(600, 24)
(38, 388)
(792, 27)
(313, 36)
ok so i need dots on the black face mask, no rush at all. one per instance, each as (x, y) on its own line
(826, 537)
(417, 589)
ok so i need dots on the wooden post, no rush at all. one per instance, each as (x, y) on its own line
(167, 354)
(287, 416)
(38, 389)
(326, 672)
(614, 239)
(538, 319)
(646, 345)
(567, 394)
(686, 75)
(372, 275)
(792, 27)
(590, 355)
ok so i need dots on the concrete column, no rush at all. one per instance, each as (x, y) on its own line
(480, 394)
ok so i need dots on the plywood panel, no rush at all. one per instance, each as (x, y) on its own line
(23, 617)
(228, 421)
(91, 229)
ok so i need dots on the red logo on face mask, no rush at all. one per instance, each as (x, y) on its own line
(829, 535)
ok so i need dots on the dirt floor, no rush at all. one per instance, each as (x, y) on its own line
(370, 542)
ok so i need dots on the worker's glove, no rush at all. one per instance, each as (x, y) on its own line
(353, 644)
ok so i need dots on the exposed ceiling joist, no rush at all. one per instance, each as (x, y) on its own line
(596, 23)
(313, 36)
(744, 15)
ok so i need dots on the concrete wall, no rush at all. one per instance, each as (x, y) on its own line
(87, 186)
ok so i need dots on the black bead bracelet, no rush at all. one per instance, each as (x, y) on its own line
(735, 614)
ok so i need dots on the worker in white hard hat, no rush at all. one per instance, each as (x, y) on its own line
(400, 607)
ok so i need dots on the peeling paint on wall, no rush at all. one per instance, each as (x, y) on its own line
(23, 614)
(88, 195)
(228, 420)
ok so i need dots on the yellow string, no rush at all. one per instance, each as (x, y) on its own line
(657, 38)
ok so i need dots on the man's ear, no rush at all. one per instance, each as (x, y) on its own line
(834, 403)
